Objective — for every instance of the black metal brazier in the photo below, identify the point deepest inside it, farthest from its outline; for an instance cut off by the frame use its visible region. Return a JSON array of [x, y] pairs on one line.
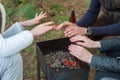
[[46, 48]]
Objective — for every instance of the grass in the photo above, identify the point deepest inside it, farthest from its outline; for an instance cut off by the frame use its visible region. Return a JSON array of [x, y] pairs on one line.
[[19, 10], [88, 3]]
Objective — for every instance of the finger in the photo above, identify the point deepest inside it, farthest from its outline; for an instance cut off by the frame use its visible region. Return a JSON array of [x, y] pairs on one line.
[[45, 14], [78, 50], [50, 27], [65, 24], [74, 53], [36, 15], [70, 34], [41, 13], [66, 28], [69, 29], [54, 26], [48, 23], [78, 38], [72, 47], [46, 29], [75, 38], [81, 44], [75, 47]]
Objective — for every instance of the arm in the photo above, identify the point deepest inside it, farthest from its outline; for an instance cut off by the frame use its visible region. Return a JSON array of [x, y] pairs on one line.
[[15, 44], [91, 14], [12, 45], [14, 29], [106, 63], [110, 30], [34, 21], [107, 44], [18, 27], [73, 30], [98, 62]]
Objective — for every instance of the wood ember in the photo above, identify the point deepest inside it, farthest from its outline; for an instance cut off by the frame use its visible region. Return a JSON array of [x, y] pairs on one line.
[[61, 61]]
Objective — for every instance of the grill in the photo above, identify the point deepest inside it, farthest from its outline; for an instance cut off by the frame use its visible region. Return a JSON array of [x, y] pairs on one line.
[[56, 63]]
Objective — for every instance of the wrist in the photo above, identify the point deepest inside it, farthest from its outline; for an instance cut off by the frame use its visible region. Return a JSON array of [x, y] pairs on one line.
[[97, 44], [33, 33], [90, 59], [37, 20]]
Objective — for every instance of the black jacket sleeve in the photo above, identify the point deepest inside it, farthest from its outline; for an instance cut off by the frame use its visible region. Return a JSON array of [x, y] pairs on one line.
[[106, 63], [107, 44]]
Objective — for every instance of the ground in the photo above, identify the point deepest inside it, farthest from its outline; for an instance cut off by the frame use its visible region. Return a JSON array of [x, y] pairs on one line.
[[58, 11]]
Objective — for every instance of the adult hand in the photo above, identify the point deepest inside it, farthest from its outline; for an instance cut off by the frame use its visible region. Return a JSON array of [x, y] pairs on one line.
[[85, 41], [80, 53], [71, 29], [42, 28]]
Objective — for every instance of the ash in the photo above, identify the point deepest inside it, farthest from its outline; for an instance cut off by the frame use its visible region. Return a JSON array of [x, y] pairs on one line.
[[61, 61]]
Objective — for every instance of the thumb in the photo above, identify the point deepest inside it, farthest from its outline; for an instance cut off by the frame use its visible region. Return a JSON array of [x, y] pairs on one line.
[[65, 24], [81, 44], [48, 23]]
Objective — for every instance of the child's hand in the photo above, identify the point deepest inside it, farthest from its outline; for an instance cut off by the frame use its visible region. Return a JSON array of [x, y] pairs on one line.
[[34, 21], [40, 16]]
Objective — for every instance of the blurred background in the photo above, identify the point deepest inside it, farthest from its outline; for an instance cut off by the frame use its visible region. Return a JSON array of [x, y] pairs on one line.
[[57, 10]]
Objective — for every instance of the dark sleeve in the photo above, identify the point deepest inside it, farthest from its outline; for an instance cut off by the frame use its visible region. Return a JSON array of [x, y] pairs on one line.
[[106, 63], [110, 30], [107, 44], [89, 18]]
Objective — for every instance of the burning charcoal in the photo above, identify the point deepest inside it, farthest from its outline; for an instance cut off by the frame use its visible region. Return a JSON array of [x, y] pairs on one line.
[[60, 61]]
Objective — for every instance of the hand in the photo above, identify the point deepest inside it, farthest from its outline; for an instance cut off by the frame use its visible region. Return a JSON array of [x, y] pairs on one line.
[[40, 16], [74, 30], [64, 24], [80, 53], [85, 41], [71, 29], [42, 28], [34, 21]]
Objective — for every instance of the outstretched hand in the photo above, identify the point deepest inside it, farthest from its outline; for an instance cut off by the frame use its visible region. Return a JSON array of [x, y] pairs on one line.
[[34, 21], [85, 41], [71, 29], [40, 16], [42, 28], [64, 25]]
